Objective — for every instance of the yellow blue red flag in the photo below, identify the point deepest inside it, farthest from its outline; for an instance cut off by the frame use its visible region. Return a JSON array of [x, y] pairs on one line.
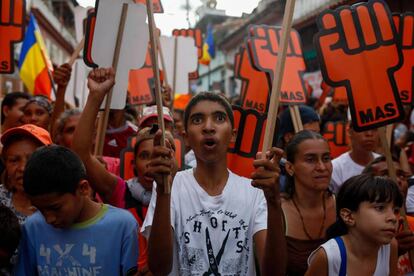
[[209, 50], [34, 63]]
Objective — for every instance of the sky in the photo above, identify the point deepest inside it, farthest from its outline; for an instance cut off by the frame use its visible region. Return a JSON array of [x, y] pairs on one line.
[[175, 17]]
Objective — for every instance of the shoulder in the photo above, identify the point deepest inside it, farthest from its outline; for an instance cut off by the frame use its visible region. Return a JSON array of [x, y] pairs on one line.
[[185, 174], [318, 263], [325, 260], [243, 184], [239, 179], [5, 195], [343, 158], [118, 215], [35, 221], [183, 179]]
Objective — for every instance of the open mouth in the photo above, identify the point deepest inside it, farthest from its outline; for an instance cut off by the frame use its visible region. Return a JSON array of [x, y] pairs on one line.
[[210, 144]]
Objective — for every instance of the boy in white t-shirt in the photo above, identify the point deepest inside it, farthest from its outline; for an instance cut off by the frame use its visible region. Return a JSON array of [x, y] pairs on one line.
[[353, 162], [214, 222]]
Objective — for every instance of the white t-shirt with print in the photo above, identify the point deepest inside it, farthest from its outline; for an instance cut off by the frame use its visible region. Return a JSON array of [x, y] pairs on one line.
[[213, 234], [343, 169]]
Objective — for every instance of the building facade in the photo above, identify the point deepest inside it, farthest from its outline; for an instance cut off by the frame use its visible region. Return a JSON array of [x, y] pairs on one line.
[[56, 22]]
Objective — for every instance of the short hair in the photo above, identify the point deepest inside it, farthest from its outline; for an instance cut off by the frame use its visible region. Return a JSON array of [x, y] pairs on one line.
[[211, 97], [369, 170], [10, 100], [148, 133], [10, 231], [64, 117], [53, 169]]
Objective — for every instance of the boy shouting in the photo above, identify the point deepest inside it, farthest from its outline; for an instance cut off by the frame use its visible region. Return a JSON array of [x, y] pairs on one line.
[[214, 221]]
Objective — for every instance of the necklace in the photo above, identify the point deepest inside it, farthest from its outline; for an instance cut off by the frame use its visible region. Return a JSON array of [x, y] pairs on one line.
[[303, 223]]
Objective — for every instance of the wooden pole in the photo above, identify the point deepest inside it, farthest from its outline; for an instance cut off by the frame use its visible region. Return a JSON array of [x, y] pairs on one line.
[[278, 77], [298, 118], [105, 115], [76, 52], [393, 175], [155, 68], [175, 66], [387, 153]]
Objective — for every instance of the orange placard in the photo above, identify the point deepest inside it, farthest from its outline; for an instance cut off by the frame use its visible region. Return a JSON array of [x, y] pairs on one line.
[[12, 24], [140, 83], [128, 160], [181, 101], [264, 47], [237, 57], [336, 135], [90, 29], [257, 90], [156, 4], [358, 49], [198, 39], [339, 95], [250, 131], [404, 24]]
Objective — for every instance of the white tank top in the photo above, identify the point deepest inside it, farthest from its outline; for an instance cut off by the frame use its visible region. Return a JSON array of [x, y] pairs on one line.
[[334, 258]]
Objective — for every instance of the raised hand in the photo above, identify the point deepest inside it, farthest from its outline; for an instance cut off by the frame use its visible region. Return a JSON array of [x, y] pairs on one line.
[[61, 75], [358, 49], [404, 24], [264, 47], [12, 15], [266, 175], [100, 81], [162, 162]]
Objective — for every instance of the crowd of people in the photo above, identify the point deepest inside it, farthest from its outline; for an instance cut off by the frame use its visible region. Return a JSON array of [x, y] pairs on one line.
[[66, 211]]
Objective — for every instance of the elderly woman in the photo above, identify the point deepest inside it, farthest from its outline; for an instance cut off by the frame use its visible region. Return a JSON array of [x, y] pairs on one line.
[[18, 145], [308, 206]]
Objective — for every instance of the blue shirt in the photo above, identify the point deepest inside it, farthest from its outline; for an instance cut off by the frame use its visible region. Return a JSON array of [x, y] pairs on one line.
[[104, 245]]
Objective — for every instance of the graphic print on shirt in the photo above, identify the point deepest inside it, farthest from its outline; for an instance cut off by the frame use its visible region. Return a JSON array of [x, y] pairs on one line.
[[59, 260], [214, 243]]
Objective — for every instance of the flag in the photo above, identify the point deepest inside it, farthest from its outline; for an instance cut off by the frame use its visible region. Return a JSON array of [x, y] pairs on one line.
[[34, 63], [209, 50]]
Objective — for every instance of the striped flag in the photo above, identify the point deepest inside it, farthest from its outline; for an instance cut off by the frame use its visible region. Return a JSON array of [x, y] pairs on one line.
[[34, 63], [209, 50]]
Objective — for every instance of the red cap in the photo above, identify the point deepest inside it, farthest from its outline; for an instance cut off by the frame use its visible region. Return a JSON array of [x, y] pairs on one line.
[[38, 133], [151, 111]]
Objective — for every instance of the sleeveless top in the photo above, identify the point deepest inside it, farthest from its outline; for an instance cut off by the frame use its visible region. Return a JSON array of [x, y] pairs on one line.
[[333, 254], [298, 252]]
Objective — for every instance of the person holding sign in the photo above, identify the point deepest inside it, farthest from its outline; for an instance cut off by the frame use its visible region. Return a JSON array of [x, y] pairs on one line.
[[133, 195], [362, 238], [208, 224], [308, 206]]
